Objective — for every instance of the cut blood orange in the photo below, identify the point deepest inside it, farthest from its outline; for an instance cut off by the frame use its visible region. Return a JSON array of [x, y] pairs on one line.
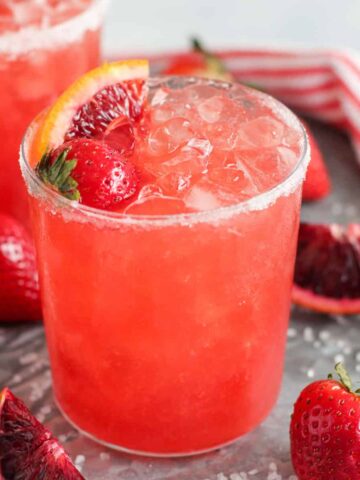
[[95, 104], [27, 449], [327, 270]]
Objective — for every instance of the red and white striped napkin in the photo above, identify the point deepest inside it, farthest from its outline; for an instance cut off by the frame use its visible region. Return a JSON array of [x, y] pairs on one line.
[[323, 84]]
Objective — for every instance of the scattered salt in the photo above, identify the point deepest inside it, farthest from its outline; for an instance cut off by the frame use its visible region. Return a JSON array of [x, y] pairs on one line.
[[310, 373], [104, 456], [324, 335], [28, 358], [339, 358], [309, 334], [292, 332]]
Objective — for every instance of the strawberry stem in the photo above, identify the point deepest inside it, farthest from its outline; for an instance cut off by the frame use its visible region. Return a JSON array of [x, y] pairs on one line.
[[57, 173], [344, 377], [213, 62]]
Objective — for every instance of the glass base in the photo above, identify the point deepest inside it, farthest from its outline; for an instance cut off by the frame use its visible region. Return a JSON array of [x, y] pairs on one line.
[[131, 451]]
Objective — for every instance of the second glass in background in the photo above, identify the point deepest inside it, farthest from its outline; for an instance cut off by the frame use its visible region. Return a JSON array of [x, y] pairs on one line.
[[44, 47]]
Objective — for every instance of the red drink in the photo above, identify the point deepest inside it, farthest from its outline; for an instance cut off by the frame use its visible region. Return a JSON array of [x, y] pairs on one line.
[[166, 325], [44, 46]]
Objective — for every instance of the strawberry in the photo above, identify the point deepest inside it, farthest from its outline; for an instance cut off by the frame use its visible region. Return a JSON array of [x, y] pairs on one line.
[[201, 63], [324, 430], [19, 288], [317, 182], [90, 171], [28, 451]]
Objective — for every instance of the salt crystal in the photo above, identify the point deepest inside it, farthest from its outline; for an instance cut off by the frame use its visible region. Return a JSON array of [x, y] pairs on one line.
[[221, 476], [339, 358], [324, 335], [28, 358], [16, 378], [310, 373], [272, 467], [347, 350], [239, 476], [292, 332], [79, 462], [104, 456], [309, 334], [253, 472]]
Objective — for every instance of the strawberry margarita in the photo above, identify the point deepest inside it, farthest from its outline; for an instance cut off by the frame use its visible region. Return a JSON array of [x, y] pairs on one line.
[[166, 293], [44, 46]]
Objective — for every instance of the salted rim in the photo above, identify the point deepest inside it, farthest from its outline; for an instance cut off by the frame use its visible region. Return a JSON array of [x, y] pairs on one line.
[[27, 39], [73, 210]]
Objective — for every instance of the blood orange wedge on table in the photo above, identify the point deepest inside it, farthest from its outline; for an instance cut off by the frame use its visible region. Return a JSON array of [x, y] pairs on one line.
[[327, 270], [107, 99], [27, 449]]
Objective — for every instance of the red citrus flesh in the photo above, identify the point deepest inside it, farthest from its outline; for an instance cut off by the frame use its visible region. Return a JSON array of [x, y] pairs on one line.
[[123, 100], [327, 270], [28, 451]]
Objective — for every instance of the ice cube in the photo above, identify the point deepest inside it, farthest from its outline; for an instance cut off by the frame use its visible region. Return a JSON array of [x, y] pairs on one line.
[[200, 198], [174, 183], [211, 108], [170, 136], [268, 167], [149, 190], [156, 205], [234, 180], [261, 132], [202, 146], [159, 97]]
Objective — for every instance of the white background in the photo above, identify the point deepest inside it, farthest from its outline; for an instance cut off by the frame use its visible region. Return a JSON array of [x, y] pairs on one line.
[[153, 25]]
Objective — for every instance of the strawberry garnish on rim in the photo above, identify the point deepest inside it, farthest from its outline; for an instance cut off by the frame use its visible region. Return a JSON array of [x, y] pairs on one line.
[[89, 171], [87, 137]]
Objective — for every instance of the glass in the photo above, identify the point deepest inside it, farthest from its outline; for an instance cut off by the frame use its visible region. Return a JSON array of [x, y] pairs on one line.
[[37, 62], [167, 333]]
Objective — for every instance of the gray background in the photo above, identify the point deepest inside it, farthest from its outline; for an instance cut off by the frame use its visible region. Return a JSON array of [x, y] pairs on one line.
[[151, 25]]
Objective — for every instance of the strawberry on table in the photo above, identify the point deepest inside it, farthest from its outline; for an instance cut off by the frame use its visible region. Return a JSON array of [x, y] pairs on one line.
[[202, 63], [19, 288], [324, 430], [317, 183], [28, 451]]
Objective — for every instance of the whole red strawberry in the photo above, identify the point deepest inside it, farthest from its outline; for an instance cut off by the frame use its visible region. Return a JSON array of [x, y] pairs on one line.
[[90, 171], [19, 287], [28, 451], [201, 63], [317, 182], [324, 430]]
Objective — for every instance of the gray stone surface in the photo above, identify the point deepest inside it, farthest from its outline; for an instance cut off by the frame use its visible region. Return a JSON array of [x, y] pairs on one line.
[[314, 343]]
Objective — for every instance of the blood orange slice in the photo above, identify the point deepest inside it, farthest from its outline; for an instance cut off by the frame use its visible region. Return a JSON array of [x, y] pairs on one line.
[[102, 99], [27, 448], [327, 270]]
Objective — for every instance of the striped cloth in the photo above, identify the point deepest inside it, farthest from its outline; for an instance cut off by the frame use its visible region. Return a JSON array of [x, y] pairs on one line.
[[323, 84]]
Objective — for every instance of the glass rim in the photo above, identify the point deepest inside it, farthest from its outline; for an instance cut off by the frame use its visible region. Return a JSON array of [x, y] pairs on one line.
[[258, 202], [30, 37]]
